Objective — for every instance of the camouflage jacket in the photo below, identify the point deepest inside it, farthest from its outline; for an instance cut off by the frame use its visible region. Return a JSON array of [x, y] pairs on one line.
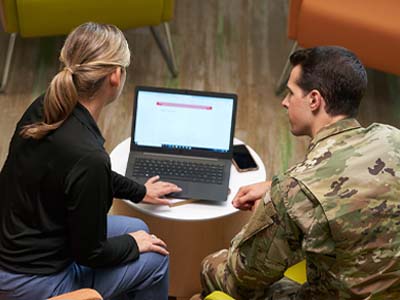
[[339, 209]]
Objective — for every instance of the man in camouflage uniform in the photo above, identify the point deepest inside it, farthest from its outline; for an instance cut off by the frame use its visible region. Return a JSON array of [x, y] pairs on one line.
[[339, 208]]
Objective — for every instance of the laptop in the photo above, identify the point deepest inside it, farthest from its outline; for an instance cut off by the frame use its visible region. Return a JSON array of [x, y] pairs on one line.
[[186, 138]]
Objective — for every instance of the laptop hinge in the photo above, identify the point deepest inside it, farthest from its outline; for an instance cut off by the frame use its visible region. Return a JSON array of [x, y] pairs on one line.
[[179, 156]]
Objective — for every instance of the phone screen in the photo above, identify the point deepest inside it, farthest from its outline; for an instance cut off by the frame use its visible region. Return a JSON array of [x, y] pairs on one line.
[[243, 159]]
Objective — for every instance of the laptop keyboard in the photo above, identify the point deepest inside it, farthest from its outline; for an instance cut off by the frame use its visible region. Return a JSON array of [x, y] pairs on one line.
[[180, 170]]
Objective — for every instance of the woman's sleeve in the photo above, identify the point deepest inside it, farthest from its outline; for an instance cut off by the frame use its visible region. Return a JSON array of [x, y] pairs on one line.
[[125, 188], [88, 189]]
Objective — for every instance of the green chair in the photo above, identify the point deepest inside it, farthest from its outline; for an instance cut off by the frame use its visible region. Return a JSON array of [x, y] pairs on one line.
[[296, 273], [41, 18]]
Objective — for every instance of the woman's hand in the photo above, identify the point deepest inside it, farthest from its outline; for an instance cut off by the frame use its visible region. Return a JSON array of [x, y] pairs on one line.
[[149, 242], [156, 190], [248, 196]]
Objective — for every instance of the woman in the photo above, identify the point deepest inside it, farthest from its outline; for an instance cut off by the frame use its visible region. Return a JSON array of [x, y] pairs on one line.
[[57, 186]]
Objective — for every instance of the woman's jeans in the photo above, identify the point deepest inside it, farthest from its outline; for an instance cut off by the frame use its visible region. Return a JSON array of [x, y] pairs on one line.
[[144, 278]]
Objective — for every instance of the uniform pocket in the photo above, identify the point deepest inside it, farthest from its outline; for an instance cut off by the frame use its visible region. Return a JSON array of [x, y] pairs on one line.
[[264, 217]]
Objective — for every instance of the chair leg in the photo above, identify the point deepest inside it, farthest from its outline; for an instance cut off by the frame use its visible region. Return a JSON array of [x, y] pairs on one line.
[[6, 70], [281, 84], [169, 55], [171, 47]]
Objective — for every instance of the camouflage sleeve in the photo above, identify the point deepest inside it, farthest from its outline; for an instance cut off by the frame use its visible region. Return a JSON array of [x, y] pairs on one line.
[[270, 242]]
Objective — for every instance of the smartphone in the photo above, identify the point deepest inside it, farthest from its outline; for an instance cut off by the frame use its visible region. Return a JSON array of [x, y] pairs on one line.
[[242, 159]]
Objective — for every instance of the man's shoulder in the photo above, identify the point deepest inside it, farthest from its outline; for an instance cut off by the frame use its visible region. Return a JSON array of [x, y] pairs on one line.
[[332, 153], [376, 133], [382, 126], [384, 131]]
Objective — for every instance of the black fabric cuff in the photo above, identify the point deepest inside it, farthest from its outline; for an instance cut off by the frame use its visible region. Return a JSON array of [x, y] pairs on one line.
[[141, 192]]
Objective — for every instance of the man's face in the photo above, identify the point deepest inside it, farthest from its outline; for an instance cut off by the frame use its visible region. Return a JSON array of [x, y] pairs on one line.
[[297, 104]]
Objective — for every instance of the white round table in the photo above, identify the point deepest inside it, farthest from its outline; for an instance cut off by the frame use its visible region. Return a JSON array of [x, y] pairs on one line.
[[191, 230], [199, 210]]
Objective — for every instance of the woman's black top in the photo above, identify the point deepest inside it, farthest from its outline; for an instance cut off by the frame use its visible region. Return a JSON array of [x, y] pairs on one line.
[[54, 197]]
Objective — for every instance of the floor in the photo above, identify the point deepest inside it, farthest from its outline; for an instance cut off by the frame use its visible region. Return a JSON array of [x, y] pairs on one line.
[[237, 46]]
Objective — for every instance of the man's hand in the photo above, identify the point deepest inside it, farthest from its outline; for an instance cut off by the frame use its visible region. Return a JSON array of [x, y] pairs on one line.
[[156, 190], [248, 196], [149, 242]]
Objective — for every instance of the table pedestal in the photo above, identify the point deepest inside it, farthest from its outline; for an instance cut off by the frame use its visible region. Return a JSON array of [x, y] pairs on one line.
[[188, 243]]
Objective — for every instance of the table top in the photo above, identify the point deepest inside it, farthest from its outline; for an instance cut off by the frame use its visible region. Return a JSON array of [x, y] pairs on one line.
[[186, 210]]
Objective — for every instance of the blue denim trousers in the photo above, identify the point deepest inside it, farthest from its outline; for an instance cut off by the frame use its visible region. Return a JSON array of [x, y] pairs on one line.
[[144, 278]]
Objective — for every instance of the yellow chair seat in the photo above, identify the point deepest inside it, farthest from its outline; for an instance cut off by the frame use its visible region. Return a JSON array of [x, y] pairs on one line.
[[218, 295], [296, 273]]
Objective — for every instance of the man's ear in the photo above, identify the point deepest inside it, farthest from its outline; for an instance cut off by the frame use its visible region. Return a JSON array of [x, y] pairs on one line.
[[316, 100], [115, 77]]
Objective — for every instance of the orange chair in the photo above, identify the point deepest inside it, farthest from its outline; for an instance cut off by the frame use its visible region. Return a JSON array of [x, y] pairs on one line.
[[369, 28], [82, 294]]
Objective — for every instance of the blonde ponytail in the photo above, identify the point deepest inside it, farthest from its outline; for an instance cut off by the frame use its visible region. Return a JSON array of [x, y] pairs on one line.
[[90, 53], [59, 101]]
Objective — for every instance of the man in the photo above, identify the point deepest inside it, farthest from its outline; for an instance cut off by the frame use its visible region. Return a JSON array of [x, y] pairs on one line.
[[339, 208]]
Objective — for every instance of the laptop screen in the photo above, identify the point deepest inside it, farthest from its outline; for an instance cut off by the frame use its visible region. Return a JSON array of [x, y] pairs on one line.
[[187, 121]]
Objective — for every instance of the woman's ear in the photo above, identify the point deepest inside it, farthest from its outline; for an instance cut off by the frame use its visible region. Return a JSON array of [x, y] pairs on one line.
[[115, 77]]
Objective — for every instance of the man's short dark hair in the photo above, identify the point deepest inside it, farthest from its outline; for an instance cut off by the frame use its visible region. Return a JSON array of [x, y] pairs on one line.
[[336, 73]]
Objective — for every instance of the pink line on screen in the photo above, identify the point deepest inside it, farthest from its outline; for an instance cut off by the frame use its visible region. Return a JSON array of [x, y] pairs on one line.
[[181, 105]]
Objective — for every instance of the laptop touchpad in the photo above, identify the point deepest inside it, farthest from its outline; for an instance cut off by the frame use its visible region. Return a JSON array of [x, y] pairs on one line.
[[184, 186]]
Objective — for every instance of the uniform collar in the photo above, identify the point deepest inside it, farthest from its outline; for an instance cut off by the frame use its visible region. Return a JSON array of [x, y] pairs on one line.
[[84, 116], [333, 129]]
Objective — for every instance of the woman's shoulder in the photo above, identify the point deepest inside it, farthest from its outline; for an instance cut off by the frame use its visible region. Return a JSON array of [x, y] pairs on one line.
[[33, 114]]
